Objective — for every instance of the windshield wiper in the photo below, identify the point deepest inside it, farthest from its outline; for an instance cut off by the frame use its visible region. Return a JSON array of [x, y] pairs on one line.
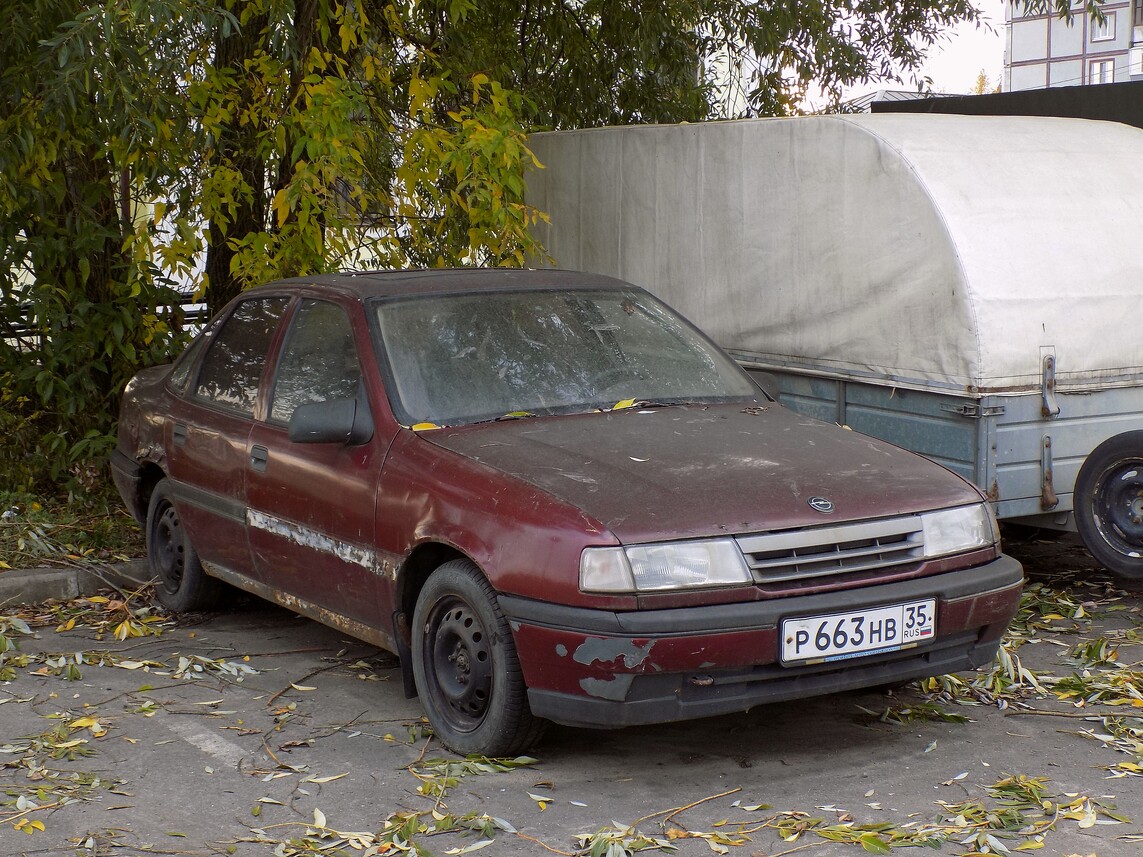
[[512, 415], [640, 404]]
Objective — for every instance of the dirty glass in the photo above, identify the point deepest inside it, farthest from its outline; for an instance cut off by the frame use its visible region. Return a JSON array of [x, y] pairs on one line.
[[180, 374], [233, 363], [462, 358], [319, 361]]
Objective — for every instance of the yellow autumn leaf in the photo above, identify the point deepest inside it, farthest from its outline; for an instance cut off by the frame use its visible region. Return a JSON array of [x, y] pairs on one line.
[[425, 427], [281, 205], [541, 800], [323, 780], [29, 826]]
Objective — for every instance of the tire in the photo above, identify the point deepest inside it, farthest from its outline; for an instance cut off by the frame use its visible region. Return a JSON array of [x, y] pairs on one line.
[[465, 666], [180, 582], [1108, 504]]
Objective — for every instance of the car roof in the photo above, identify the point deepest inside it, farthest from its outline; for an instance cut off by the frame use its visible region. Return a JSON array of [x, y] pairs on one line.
[[369, 284]]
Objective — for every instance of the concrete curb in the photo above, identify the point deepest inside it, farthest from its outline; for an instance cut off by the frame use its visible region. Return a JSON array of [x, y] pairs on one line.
[[36, 585]]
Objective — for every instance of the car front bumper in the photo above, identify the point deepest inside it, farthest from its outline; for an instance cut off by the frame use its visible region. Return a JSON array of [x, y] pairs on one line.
[[596, 668]]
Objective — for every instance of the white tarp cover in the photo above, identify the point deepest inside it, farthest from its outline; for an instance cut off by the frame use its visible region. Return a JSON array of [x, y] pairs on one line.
[[947, 251]]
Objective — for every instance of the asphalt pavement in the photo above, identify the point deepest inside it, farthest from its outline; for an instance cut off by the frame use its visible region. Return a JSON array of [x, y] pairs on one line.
[[255, 732]]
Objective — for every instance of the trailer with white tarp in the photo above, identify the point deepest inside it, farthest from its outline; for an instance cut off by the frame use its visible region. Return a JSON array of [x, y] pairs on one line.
[[967, 287]]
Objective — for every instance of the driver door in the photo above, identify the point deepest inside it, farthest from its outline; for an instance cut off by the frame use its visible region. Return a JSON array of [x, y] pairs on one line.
[[311, 505]]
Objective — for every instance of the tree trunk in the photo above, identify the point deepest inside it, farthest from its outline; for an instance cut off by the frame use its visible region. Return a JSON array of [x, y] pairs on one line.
[[237, 146]]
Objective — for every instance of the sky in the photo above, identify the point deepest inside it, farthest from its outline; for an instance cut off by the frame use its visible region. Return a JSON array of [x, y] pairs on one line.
[[955, 63]]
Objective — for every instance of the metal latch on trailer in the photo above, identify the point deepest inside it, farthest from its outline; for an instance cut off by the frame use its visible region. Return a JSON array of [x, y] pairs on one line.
[[1049, 407], [1048, 497], [974, 411]]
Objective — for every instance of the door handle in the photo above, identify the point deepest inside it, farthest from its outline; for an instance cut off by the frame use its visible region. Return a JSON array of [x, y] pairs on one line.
[[179, 434], [259, 458]]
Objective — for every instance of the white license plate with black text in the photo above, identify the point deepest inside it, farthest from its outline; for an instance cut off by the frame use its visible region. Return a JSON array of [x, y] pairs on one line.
[[861, 632]]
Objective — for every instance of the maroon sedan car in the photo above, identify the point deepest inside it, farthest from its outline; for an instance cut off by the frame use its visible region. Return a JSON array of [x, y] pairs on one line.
[[553, 498]]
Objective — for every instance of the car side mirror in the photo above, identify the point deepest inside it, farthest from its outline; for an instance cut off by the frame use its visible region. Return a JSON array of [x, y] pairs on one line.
[[335, 421]]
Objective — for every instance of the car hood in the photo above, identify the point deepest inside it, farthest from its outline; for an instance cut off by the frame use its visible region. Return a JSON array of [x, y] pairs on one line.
[[690, 471]]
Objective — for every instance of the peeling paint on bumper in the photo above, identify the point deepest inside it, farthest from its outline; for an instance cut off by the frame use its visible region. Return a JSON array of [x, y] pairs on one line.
[[598, 676]]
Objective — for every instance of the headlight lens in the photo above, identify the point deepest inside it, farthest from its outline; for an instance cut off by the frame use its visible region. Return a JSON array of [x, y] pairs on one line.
[[654, 568], [958, 530]]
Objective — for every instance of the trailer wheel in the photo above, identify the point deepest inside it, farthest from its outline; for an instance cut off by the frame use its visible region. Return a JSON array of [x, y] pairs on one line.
[[1108, 505]]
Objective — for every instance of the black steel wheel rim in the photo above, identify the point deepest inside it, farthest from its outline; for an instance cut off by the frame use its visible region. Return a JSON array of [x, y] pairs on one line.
[[1118, 507], [168, 549], [459, 658]]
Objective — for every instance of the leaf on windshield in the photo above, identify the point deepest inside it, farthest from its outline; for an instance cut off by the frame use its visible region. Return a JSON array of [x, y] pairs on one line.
[[424, 427]]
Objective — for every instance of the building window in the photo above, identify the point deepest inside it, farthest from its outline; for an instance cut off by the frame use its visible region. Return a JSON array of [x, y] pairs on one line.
[[1105, 31], [1101, 71]]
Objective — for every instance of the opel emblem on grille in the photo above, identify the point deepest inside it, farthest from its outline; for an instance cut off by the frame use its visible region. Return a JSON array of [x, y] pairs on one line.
[[821, 504]]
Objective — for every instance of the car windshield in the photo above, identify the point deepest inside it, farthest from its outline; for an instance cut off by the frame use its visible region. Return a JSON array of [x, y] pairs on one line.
[[463, 358]]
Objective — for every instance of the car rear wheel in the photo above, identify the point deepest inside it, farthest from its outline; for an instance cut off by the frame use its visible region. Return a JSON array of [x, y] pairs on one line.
[[467, 673], [1108, 504], [180, 582]]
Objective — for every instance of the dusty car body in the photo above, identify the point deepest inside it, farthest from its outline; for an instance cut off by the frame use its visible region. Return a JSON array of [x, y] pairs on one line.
[[553, 498]]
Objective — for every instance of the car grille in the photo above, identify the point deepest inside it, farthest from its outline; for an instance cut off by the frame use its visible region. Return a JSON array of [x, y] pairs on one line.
[[826, 551]]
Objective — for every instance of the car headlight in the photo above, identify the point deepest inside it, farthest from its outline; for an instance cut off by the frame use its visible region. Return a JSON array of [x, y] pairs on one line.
[[673, 565], [958, 530]]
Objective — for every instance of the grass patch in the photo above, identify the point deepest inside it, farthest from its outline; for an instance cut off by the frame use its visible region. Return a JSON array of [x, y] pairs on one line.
[[36, 531]]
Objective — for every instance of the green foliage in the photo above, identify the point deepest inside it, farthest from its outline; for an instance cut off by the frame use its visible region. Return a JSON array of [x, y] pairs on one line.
[[917, 712], [460, 186], [437, 776], [50, 531], [84, 134], [620, 840]]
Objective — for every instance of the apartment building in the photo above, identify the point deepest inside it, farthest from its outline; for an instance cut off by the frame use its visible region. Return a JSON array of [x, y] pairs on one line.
[[1042, 51]]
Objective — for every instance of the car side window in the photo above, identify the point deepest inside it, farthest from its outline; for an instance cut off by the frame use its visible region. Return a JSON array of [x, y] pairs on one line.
[[319, 360], [185, 362], [233, 363]]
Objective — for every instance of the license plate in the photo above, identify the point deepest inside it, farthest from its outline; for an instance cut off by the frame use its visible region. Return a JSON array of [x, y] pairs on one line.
[[837, 636]]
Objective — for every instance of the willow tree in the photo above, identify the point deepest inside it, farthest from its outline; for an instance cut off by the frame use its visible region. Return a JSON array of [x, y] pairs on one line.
[[84, 298]]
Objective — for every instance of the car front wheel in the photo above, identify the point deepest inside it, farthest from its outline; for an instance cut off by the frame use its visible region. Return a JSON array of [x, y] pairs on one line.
[[180, 582], [467, 672]]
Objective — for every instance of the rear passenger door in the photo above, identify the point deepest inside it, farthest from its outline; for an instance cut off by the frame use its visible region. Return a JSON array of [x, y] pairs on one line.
[[208, 428]]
